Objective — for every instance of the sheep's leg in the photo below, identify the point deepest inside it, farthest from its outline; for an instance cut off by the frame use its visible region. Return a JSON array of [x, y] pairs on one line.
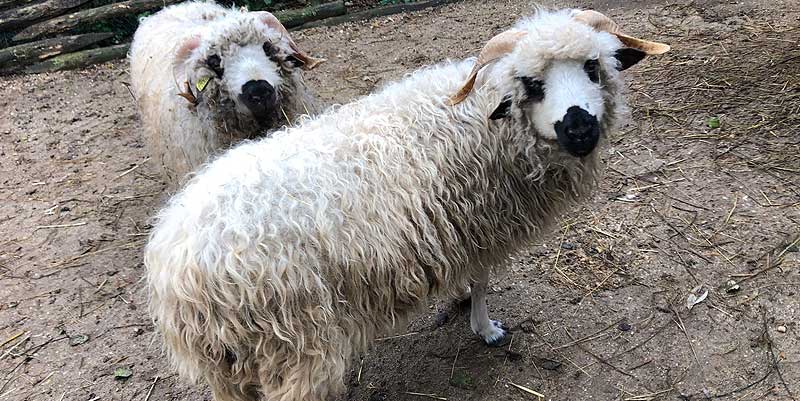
[[224, 389], [491, 331], [307, 378]]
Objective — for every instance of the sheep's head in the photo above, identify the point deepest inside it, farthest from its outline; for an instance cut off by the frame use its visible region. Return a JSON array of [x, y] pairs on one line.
[[241, 68], [556, 74]]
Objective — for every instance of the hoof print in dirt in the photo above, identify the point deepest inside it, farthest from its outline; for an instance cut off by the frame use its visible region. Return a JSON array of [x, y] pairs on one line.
[[549, 364], [462, 380]]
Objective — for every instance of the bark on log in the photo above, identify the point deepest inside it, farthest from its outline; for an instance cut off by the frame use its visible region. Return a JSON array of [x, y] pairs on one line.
[[80, 59], [300, 16], [18, 17], [376, 12], [6, 4], [29, 53], [69, 21]]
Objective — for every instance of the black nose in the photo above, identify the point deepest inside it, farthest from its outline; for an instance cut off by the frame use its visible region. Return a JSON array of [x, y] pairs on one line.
[[578, 132], [259, 96]]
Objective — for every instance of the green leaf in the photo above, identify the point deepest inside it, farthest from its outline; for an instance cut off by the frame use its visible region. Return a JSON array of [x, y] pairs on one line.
[[122, 373], [713, 122]]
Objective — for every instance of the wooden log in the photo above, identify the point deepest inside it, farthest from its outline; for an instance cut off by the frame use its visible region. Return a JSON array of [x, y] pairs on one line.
[[69, 21], [376, 12], [29, 53], [6, 4], [80, 59], [300, 16], [18, 17]]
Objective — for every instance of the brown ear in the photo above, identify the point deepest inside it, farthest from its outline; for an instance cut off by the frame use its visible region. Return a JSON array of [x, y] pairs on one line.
[[307, 62], [601, 22], [182, 53], [497, 47]]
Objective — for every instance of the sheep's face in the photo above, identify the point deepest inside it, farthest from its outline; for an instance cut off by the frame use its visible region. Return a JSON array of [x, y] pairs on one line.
[[556, 83], [241, 70], [566, 101], [556, 78], [244, 78]]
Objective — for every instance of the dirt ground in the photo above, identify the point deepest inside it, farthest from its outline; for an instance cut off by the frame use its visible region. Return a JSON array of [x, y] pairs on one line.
[[598, 307]]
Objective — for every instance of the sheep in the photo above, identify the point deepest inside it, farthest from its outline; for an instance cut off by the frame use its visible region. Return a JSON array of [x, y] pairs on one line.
[[283, 258], [238, 70]]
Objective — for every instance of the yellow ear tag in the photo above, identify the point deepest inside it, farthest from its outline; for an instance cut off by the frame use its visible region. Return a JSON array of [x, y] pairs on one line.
[[201, 84]]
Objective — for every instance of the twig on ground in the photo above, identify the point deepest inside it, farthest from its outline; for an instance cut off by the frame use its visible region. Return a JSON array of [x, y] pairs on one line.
[[590, 336], [775, 362], [597, 357]]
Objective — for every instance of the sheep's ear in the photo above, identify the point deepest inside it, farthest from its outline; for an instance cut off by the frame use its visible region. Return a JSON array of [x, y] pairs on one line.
[[503, 110], [182, 53], [628, 57]]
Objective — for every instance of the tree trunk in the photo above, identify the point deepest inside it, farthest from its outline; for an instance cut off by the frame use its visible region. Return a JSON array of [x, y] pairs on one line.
[[69, 21], [29, 53], [80, 59], [297, 17], [18, 17], [376, 12]]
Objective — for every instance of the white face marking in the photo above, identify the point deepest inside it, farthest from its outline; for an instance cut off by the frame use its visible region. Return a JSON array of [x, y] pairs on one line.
[[566, 84], [250, 63]]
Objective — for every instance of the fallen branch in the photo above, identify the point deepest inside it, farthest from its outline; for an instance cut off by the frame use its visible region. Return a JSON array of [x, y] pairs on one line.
[[22, 16], [376, 12], [80, 59], [297, 17], [6, 4], [69, 21], [29, 53]]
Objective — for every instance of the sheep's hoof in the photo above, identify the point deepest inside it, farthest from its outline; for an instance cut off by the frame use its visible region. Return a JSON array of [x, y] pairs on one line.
[[495, 335]]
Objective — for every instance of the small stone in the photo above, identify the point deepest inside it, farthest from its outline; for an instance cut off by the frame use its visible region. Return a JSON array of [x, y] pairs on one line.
[[441, 318], [781, 329]]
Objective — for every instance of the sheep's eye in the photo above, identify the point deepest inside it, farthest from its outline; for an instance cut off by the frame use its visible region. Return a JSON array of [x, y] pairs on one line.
[[294, 61], [592, 68], [534, 88], [215, 64], [271, 51]]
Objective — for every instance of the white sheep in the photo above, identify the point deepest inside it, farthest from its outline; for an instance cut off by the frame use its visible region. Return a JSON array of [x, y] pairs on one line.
[[285, 257], [238, 70]]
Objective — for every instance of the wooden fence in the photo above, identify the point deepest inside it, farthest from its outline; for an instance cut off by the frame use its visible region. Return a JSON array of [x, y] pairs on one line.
[[50, 35]]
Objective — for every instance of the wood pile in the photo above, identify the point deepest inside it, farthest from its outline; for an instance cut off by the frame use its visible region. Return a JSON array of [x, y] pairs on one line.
[[51, 35]]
